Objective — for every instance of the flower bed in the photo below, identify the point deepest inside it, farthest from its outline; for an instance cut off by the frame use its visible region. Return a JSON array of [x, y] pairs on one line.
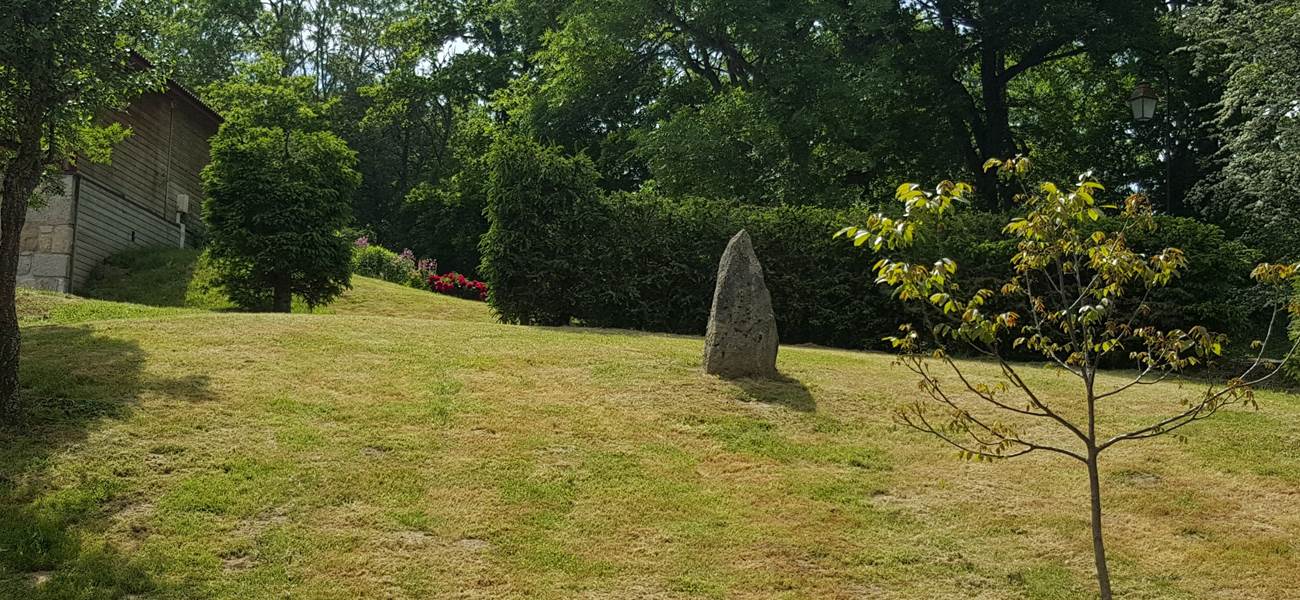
[[376, 261], [455, 284]]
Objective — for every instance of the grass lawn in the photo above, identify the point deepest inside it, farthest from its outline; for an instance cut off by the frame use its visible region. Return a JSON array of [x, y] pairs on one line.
[[404, 446]]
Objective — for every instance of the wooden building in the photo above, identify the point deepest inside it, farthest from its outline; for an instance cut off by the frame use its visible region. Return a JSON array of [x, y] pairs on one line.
[[148, 195]]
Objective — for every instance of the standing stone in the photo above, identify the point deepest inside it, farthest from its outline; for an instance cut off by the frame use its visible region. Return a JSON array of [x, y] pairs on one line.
[[742, 339]]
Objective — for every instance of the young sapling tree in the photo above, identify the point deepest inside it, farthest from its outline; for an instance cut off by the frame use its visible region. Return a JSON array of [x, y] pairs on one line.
[[1077, 297]]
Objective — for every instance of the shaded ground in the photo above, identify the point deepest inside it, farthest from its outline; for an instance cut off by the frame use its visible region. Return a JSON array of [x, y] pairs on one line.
[[350, 455]]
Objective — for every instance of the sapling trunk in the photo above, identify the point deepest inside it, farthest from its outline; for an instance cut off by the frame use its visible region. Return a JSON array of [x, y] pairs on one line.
[[1098, 545]]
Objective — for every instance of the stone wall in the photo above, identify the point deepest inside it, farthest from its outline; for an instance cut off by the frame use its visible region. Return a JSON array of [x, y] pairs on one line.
[[45, 247]]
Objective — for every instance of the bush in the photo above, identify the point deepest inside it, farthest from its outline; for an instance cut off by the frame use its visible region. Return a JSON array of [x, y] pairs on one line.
[[535, 249], [558, 251], [455, 284], [381, 263], [376, 261]]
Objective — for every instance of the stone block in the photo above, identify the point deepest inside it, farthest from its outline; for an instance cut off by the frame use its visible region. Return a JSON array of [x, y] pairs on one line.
[[53, 284], [57, 209], [24, 264], [61, 239], [50, 265], [28, 240]]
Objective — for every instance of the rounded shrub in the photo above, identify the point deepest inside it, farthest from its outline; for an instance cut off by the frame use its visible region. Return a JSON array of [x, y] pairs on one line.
[[378, 262]]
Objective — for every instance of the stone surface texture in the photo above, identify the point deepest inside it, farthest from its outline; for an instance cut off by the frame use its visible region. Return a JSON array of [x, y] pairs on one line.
[[45, 246], [742, 338]]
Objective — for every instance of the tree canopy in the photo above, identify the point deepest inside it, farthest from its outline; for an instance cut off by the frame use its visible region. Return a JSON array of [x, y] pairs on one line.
[[278, 194], [818, 103]]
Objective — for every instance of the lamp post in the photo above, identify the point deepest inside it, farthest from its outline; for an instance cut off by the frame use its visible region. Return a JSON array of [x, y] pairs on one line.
[[1143, 103]]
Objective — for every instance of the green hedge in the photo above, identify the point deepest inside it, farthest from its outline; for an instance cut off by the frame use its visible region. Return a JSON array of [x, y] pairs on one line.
[[1215, 290], [381, 263], [559, 251], [537, 252]]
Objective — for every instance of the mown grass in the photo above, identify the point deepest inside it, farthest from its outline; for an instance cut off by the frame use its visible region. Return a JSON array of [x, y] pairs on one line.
[[227, 455], [47, 308]]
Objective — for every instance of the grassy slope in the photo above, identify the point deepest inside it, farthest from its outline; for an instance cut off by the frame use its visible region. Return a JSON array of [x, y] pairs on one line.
[[346, 455], [46, 308], [159, 282]]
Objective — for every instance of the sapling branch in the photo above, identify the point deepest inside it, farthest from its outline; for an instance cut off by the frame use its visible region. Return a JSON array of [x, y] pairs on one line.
[[989, 396], [1237, 391]]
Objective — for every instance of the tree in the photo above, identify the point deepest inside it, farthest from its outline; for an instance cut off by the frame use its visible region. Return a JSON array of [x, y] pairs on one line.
[[278, 193], [980, 47], [1070, 302], [1251, 48], [822, 102], [62, 62]]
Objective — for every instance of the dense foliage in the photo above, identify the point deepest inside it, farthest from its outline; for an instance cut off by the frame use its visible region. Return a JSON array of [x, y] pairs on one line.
[[278, 195], [1252, 47], [559, 251], [773, 104]]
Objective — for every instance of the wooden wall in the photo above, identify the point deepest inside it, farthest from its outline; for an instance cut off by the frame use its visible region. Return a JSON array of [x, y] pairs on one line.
[[132, 200], [167, 149]]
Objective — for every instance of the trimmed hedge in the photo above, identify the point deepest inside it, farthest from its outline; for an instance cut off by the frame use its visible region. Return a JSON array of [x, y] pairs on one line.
[[1215, 290], [381, 263], [536, 252], [559, 251]]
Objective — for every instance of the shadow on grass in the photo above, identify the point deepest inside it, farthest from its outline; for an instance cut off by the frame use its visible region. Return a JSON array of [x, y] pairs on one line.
[[74, 379], [780, 391], [164, 277]]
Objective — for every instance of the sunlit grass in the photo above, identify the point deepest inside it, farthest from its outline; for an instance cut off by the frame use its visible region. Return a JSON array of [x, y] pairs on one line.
[[405, 447], [368, 297]]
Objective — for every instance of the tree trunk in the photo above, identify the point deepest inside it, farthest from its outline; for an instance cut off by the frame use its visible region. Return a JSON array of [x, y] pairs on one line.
[[10, 337], [20, 178], [1098, 547], [996, 140], [283, 301]]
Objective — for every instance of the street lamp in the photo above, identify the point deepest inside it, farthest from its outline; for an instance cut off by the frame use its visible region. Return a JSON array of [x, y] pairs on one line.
[[1143, 102]]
